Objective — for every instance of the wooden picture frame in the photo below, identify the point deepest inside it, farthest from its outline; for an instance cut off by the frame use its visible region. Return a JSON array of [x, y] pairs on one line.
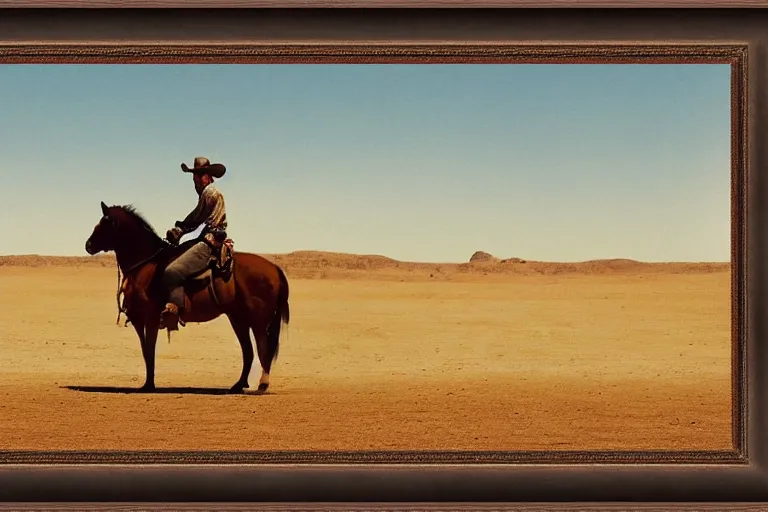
[[738, 37]]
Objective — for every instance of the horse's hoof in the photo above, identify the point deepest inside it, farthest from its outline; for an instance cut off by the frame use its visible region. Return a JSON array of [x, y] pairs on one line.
[[147, 388], [263, 388], [237, 389]]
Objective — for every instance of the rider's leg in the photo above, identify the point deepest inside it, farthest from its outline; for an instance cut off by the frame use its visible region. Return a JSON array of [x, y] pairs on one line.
[[194, 260]]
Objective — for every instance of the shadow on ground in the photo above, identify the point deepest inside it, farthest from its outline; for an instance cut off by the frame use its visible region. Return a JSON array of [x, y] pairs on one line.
[[158, 391]]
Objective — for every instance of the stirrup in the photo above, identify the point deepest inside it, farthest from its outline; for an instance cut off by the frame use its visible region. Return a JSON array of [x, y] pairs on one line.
[[169, 319]]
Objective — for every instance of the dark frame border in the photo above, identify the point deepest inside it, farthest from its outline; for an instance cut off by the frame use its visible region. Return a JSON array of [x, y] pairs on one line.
[[389, 4], [733, 54], [457, 475]]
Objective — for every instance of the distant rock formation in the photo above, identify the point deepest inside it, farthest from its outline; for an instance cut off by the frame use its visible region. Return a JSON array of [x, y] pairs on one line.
[[482, 256], [325, 265]]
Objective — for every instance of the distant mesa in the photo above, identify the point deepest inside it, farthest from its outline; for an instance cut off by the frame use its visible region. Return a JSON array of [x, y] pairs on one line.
[[484, 257], [329, 265]]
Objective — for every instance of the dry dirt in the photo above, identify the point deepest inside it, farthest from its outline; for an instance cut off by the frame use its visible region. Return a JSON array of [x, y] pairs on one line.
[[497, 354]]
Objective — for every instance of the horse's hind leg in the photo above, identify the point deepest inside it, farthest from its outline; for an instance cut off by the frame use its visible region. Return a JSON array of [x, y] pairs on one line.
[[261, 347], [243, 334], [266, 363]]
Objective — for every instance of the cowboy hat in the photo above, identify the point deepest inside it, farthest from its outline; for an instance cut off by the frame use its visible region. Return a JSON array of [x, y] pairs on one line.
[[203, 166]]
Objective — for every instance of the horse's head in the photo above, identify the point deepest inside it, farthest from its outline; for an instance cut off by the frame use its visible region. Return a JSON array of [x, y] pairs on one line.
[[122, 226], [104, 236]]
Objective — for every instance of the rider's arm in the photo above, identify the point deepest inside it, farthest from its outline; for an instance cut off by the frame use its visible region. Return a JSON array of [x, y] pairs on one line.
[[198, 215]]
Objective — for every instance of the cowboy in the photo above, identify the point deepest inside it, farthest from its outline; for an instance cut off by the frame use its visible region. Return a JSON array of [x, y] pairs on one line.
[[211, 212]]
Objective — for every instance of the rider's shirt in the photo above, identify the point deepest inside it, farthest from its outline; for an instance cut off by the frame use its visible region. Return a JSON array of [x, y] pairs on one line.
[[210, 210]]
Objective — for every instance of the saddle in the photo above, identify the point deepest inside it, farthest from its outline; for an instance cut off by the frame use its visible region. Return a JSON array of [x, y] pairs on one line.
[[220, 267], [221, 263]]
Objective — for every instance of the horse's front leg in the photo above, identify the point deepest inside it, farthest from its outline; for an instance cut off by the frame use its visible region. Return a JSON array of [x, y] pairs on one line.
[[147, 331], [149, 382]]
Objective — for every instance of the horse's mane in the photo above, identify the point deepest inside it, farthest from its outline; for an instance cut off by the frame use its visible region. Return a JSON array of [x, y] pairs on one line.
[[131, 211]]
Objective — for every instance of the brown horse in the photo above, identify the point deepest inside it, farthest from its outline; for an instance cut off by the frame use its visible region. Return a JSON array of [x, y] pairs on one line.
[[254, 296]]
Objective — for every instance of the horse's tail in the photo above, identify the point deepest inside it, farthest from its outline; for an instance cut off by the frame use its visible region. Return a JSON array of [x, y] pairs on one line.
[[282, 316]]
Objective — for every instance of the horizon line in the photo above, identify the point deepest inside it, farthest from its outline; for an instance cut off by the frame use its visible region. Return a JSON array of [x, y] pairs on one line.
[[494, 259]]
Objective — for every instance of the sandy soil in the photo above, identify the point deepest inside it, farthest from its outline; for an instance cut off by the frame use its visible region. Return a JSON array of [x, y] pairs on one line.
[[499, 355]]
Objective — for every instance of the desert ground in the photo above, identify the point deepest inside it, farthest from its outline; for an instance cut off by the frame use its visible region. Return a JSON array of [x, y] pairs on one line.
[[382, 355]]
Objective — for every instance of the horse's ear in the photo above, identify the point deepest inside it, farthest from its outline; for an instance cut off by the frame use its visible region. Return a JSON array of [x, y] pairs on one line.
[[104, 209]]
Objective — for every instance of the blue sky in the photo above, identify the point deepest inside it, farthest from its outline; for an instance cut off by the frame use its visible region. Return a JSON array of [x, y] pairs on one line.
[[415, 162]]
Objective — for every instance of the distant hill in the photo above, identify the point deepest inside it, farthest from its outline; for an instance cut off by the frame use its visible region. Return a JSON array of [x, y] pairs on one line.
[[318, 264]]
